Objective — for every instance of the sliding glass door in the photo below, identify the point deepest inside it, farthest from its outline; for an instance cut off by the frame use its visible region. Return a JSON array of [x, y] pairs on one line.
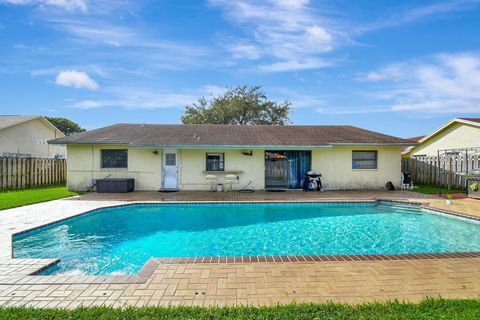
[[286, 169]]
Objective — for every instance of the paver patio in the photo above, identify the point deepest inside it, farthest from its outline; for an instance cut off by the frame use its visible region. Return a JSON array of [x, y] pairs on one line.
[[232, 282]]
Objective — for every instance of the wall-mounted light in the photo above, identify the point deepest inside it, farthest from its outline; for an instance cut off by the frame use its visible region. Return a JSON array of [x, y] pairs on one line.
[[155, 152], [247, 153]]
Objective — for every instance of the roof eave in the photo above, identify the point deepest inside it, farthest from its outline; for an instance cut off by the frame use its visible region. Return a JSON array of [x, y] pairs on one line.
[[52, 126], [220, 146], [57, 141], [438, 130], [17, 123], [393, 144], [240, 146], [449, 123]]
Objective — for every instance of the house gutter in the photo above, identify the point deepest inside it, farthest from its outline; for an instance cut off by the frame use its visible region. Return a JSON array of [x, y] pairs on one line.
[[196, 146], [212, 146], [55, 141], [374, 144], [192, 146]]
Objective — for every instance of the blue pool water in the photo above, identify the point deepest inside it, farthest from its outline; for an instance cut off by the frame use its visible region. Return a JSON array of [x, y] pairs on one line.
[[120, 240]]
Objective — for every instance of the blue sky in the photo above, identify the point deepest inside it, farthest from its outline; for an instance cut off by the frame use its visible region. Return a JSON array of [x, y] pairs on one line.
[[398, 67]]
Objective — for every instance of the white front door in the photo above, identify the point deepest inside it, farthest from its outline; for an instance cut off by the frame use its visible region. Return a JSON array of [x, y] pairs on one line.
[[170, 169]]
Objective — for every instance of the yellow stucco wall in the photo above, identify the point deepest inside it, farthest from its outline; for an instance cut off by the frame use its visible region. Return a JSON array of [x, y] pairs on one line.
[[30, 137], [335, 165], [83, 165], [192, 175], [457, 135]]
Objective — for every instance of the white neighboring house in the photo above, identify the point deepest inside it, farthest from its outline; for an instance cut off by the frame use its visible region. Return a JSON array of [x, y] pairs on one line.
[[27, 136], [458, 133]]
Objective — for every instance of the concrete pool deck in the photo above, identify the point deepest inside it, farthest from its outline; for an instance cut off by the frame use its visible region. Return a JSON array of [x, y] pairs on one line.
[[233, 282]]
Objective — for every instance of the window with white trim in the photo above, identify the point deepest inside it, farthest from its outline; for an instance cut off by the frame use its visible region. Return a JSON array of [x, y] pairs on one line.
[[215, 162], [170, 159], [364, 159], [114, 158]]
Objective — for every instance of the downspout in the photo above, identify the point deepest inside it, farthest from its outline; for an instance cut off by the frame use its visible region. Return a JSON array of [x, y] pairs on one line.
[[91, 171], [334, 180], [179, 168]]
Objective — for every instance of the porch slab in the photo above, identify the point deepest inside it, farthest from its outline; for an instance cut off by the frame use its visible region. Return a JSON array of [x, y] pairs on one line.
[[233, 283], [294, 195]]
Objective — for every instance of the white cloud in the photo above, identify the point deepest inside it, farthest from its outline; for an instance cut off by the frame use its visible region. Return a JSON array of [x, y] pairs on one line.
[[294, 65], [315, 33], [293, 3], [245, 51], [88, 68], [289, 33], [390, 72], [140, 98], [138, 44], [68, 5], [306, 101], [97, 32], [87, 104], [401, 17], [353, 110], [438, 8], [212, 90], [445, 83], [76, 79]]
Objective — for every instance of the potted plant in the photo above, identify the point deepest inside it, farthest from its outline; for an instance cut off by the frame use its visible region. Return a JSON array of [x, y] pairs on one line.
[[449, 198], [474, 187]]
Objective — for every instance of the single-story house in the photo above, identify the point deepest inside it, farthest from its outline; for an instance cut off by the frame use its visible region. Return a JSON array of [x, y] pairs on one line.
[[27, 136], [458, 133], [261, 156]]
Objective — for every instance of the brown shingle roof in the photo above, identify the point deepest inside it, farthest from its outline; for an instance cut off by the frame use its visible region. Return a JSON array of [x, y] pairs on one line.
[[158, 135], [472, 119], [415, 139]]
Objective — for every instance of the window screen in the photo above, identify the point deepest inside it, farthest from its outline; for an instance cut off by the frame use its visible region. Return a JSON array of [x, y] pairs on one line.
[[215, 162], [170, 159], [114, 158], [364, 159]]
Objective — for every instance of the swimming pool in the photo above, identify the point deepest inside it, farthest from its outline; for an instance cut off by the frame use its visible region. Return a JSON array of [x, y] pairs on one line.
[[120, 240]]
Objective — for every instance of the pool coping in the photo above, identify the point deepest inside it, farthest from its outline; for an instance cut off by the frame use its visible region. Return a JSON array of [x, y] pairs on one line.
[[317, 258], [149, 267]]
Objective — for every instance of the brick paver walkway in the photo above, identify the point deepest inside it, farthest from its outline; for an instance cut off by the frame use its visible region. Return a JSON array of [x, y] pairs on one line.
[[264, 283], [231, 283]]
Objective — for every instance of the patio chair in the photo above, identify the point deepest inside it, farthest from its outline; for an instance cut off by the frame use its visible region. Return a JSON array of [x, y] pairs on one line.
[[231, 179], [407, 182], [212, 180]]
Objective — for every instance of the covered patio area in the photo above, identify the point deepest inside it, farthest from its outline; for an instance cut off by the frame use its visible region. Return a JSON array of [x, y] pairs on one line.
[[282, 195]]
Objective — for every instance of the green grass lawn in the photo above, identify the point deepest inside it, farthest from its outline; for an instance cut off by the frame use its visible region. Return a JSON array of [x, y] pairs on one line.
[[22, 197], [431, 189], [427, 309]]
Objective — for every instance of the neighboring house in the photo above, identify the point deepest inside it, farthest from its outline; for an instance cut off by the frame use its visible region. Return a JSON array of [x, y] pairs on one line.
[[27, 136], [456, 134], [181, 156]]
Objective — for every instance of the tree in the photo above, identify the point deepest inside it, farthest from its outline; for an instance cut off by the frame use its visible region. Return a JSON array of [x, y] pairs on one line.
[[241, 105], [68, 127]]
